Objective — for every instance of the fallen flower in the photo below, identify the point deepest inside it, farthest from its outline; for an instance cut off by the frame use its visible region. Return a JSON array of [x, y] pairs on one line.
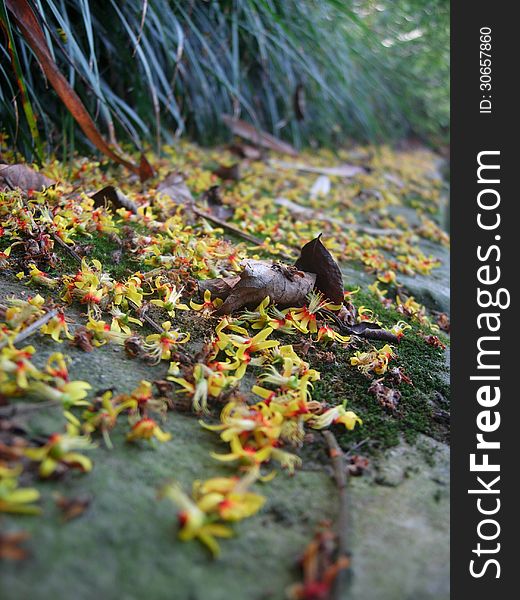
[[146, 429], [208, 306], [15, 499], [335, 415], [374, 360], [159, 345], [57, 327], [193, 522], [57, 453]]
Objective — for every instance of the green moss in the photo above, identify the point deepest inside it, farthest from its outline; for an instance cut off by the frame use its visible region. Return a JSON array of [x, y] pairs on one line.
[[103, 248], [424, 364]]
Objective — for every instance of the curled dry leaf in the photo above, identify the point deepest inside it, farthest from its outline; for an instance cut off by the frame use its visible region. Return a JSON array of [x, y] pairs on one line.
[[115, 197], [398, 376], [245, 151], [258, 137], [284, 285], [83, 339], [443, 321], [433, 340], [174, 188], [72, 508], [23, 177], [219, 287], [213, 198], [231, 173], [315, 258], [10, 548]]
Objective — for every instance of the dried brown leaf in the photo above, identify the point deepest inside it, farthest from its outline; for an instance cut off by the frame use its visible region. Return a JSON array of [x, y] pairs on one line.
[[23, 177], [315, 258], [219, 287], [284, 285], [387, 397], [246, 151], [115, 197], [231, 173], [258, 137], [74, 507], [83, 339], [176, 190], [10, 548]]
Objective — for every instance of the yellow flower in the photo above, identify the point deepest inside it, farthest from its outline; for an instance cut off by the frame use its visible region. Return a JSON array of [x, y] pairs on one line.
[[17, 370], [120, 321], [388, 277], [132, 290], [40, 277], [399, 328], [238, 418], [251, 454], [103, 417], [146, 429], [206, 383], [305, 318], [159, 345], [268, 316], [193, 522], [227, 497], [69, 393], [208, 305], [171, 298], [287, 460], [335, 415], [245, 346], [21, 311], [103, 333], [15, 499], [56, 453], [327, 334], [56, 327], [374, 360]]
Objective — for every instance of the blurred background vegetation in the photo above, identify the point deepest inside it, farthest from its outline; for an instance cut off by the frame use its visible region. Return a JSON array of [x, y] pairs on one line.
[[152, 70]]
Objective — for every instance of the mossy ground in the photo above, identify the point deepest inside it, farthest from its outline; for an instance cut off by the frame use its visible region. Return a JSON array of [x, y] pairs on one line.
[[124, 546]]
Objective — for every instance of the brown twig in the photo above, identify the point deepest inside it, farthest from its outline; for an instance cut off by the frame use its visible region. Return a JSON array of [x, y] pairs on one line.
[[11, 410], [225, 225], [343, 522], [30, 329], [66, 247], [142, 314]]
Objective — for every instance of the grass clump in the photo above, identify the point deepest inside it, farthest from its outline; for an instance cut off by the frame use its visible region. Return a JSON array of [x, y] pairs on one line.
[[150, 72]]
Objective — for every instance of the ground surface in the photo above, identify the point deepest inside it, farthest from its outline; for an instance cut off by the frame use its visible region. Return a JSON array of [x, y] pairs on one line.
[[124, 545]]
